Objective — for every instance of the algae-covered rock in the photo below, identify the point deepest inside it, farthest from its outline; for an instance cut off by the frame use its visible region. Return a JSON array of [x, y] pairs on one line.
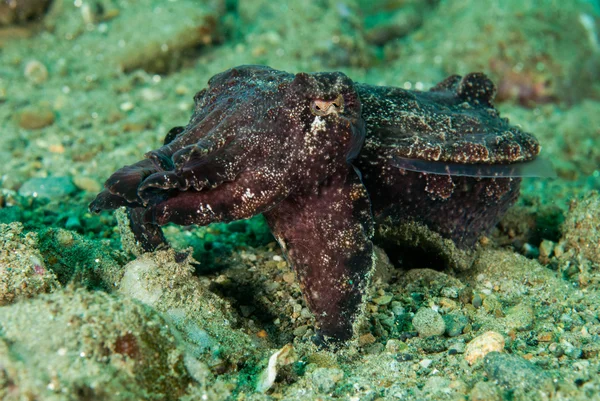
[[75, 258], [164, 280], [428, 323], [520, 317], [23, 274], [455, 323], [324, 380], [581, 229], [77, 345], [522, 379]]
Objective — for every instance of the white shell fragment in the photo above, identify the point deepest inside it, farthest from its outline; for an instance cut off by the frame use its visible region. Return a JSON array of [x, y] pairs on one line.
[[482, 345], [283, 357]]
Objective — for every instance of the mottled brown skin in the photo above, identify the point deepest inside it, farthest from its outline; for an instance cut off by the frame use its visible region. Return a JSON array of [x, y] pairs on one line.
[[291, 147], [454, 122]]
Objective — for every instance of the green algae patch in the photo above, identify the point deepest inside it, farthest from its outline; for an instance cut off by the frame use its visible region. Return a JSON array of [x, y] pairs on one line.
[[215, 244], [74, 258]]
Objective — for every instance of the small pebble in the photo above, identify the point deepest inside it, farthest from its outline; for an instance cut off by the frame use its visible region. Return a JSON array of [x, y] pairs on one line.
[[151, 95], [455, 324], [436, 387], [262, 334], [301, 330], [35, 72], [450, 292], [373, 349], [428, 323], [520, 317], [574, 352], [383, 300], [457, 348], [126, 106], [289, 277], [181, 90], [544, 337], [394, 346], [366, 339], [48, 187], [397, 308], [546, 249], [556, 350], [492, 304], [448, 304], [64, 238], [485, 391], [481, 345], [247, 310], [425, 363], [477, 301], [325, 379], [34, 118]]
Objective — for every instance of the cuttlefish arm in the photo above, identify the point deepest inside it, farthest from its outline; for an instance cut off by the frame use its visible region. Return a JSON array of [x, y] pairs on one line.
[[326, 237]]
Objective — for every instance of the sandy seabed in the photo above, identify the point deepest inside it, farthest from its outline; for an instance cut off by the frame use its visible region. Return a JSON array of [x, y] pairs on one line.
[[86, 88]]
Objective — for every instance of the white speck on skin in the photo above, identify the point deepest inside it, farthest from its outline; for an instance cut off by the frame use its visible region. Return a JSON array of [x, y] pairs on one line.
[[317, 125]]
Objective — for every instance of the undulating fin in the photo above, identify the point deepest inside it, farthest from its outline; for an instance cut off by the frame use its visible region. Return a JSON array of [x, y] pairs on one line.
[[538, 167]]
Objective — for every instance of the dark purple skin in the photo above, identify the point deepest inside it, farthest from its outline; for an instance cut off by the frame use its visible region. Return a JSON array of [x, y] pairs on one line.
[[318, 155]]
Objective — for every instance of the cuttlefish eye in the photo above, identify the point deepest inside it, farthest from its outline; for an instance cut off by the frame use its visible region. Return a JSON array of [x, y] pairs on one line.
[[325, 107]]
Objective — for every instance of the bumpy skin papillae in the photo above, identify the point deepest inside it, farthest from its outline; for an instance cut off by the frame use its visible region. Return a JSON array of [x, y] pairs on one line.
[[265, 141], [454, 122]]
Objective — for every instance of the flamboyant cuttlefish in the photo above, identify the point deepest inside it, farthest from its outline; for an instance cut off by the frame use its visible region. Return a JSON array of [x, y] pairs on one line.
[[325, 159]]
